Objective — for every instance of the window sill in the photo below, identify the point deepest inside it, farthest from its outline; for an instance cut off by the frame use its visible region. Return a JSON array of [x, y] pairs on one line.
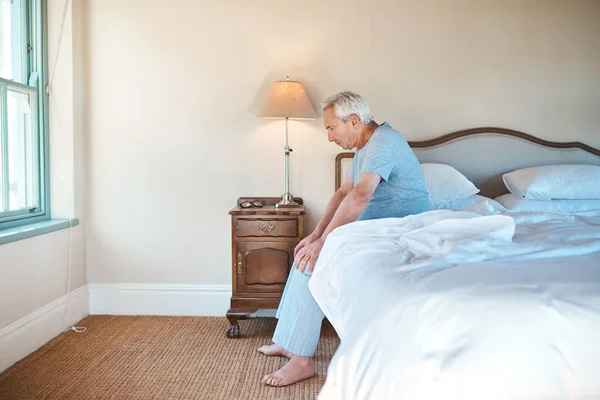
[[31, 230]]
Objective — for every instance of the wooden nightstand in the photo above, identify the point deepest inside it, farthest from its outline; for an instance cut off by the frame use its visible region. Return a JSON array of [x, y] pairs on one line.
[[262, 247]]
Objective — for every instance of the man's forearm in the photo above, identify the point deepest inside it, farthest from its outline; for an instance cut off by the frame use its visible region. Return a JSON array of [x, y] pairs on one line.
[[348, 211], [330, 210]]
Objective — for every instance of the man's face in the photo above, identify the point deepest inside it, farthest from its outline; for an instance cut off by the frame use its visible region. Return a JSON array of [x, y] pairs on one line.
[[338, 131]]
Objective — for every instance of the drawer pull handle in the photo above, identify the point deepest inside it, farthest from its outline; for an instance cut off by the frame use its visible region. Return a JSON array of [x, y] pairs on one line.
[[266, 227], [239, 264]]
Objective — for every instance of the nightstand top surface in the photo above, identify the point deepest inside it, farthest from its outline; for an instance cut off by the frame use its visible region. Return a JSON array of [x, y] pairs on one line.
[[268, 208]]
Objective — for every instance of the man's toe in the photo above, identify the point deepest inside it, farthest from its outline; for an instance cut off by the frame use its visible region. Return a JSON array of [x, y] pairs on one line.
[[271, 380]]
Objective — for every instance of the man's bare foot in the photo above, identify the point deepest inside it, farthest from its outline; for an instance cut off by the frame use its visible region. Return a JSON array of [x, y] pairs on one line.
[[275, 350], [296, 370]]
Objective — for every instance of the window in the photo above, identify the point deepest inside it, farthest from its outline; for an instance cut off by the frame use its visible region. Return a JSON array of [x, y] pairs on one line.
[[24, 194]]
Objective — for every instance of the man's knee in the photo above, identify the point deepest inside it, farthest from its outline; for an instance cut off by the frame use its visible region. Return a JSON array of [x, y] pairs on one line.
[[306, 272]]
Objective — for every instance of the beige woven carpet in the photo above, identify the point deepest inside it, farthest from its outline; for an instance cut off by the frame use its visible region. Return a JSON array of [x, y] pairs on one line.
[[159, 358]]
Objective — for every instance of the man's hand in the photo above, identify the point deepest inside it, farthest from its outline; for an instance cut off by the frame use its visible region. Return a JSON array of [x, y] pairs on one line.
[[308, 255], [305, 242]]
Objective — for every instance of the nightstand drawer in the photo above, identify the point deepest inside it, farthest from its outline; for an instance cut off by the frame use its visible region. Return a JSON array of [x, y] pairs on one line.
[[267, 227]]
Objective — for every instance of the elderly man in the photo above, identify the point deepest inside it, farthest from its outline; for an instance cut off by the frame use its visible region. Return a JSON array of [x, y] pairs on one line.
[[386, 181]]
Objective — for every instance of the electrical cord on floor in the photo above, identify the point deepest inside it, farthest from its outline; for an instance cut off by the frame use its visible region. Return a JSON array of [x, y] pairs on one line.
[[78, 329]]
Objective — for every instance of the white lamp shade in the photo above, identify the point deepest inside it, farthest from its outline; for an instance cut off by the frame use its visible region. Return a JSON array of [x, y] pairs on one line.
[[287, 99]]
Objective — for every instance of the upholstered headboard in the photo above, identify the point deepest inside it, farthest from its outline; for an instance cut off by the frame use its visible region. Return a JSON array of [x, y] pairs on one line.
[[484, 154]]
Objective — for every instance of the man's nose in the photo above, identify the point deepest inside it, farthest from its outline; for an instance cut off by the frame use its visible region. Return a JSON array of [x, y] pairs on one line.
[[329, 136]]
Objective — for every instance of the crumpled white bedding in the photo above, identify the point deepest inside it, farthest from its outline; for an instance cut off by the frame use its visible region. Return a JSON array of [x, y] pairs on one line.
[[455, 305]]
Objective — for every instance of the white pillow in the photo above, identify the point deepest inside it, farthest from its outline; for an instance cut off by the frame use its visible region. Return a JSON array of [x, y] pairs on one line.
[[512, 202], [444, 183], [475, 203], [550, 182]]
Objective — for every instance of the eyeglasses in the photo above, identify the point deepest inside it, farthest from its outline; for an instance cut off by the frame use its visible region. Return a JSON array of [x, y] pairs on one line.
[[250, 204]]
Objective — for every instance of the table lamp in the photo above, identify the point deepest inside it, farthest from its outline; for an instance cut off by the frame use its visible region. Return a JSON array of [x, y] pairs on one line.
[[287, 100]]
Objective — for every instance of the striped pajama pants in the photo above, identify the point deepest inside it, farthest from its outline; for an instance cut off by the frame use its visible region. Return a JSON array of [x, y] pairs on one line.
[[300, 318]]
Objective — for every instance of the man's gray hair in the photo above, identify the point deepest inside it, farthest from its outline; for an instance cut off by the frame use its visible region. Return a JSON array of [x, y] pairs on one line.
[[347, 103]]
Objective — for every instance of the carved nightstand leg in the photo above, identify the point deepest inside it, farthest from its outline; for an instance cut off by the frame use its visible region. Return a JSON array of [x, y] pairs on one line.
[[233, 332], [233, 315]]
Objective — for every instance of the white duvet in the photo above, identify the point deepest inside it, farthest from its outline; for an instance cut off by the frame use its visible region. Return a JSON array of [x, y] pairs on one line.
[[454, 305]]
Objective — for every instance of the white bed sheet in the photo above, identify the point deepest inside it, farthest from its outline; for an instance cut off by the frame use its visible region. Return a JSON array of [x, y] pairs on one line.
[[455, 305]]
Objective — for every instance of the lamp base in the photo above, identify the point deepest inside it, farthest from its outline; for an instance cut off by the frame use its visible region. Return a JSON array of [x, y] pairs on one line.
[[287, 201]]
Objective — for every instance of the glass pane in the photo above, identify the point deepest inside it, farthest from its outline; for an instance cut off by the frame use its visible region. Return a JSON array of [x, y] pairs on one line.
[[12, 41], [22, 151]]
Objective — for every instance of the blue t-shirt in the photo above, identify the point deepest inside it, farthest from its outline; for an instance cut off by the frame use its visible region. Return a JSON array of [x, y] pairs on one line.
[[402, 189]]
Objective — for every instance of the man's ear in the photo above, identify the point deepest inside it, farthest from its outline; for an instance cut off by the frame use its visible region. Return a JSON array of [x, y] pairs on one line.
[[354, 119]]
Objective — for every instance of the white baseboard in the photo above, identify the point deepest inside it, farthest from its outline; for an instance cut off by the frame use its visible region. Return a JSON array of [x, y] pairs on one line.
[[29, 333], [159, 299]]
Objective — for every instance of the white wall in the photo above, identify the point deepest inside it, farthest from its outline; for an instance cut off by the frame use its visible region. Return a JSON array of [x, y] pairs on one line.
[[173, 89], [34, 271]]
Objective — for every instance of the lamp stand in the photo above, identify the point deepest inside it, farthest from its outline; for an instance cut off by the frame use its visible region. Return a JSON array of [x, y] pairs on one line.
[[287, 200]]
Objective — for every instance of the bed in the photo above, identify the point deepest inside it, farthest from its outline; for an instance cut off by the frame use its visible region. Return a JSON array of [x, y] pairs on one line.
[[481, 301]]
